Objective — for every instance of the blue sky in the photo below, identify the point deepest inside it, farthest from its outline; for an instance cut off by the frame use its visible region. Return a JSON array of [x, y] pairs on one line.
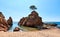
[[49, 10]]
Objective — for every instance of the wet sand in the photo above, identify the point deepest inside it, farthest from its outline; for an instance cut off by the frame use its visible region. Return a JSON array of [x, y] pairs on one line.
[[54, 32]]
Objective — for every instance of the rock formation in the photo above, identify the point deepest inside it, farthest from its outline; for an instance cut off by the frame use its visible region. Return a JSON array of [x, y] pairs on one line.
[[4, 25], [16, 29], [49, 25], [10, 21], [33, 20], [1, 15]]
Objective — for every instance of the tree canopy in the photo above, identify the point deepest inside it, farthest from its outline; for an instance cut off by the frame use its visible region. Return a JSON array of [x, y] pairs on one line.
[[33, 7]]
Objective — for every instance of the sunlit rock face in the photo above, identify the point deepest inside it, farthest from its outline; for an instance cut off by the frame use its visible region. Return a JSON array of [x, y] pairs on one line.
[[33, 20], [4, 25], [10, 21], [1, 15]]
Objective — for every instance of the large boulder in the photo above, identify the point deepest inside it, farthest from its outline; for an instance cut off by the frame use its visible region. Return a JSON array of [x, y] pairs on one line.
[[33, 20], [3, 21], [4, 25], [10, 21], [16, 29]]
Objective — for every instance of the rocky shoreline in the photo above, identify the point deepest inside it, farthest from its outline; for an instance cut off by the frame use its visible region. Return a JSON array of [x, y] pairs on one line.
[[33, 27], [5, 24], [33, 20]]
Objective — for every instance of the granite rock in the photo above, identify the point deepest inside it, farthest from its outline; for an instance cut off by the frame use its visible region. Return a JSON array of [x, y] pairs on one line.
[[33, 20]]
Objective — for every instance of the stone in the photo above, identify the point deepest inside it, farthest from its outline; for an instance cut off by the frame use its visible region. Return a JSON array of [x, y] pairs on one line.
[[49, 25], [4, 25], [16, 29], [3, 21], [1, 15], [33, 20], [10, 21], [21, 21]]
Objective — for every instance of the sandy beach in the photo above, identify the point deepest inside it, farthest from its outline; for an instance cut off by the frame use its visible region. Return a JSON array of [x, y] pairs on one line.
[[54, 32]]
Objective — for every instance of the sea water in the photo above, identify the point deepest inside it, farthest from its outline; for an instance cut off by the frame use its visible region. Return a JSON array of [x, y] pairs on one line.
[[15, 24]]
